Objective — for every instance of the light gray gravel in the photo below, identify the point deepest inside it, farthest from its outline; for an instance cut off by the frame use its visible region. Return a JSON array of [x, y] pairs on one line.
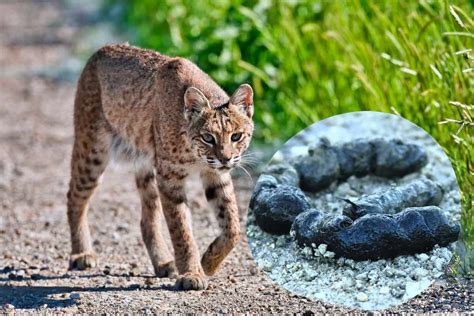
[[367, 284]]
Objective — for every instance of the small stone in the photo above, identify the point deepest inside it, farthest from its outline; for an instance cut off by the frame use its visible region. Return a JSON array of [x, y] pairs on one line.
[[322, 248], [9, 306], [266, 266], [74, 296], [280, 242], [307, 251], [310, 275], [384, 290], [362, 297], [329, 254], [373, 275], [418, 273], [399, 273], [438, 264], [389, 272], [423, 257], [350, 263], [362, 276]]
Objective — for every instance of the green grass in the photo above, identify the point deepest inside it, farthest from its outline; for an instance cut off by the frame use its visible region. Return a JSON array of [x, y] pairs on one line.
[[308, 60]]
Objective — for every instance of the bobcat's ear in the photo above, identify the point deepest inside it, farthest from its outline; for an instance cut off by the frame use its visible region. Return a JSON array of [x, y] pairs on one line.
[[194, 101], [243, 98]]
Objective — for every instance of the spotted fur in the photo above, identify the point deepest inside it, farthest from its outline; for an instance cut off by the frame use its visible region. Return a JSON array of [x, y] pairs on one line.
[[169, 118]]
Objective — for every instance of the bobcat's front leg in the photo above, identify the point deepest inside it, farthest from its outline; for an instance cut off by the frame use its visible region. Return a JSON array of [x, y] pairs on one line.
[[173, 200], [220, 192]]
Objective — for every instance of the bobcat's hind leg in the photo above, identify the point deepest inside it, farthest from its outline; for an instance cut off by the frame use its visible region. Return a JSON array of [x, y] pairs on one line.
[[152, 224], [89, 159]]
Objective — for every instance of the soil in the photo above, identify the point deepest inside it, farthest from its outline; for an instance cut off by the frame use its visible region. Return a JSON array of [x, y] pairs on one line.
[[39, 45]]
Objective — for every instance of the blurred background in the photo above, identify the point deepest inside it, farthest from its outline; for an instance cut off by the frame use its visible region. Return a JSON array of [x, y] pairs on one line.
[[308, 60]]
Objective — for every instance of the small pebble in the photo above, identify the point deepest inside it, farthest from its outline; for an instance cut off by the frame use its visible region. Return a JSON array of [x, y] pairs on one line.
[[385, 290], [322, 248], [423, 257], [362, 297], [329, 254], [266, 266]]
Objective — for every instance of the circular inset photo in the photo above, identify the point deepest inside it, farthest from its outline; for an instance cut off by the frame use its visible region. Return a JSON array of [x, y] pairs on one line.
[[360, 210]]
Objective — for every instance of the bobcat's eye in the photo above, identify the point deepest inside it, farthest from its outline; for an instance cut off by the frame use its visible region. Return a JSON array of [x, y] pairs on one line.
[[235, 137], [208, 138]]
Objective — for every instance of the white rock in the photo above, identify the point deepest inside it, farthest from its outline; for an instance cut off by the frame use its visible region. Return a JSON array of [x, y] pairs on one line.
[[418, 273], [280, 241], [266, 265], [350, 263], [341, 261], [438, 264], [389, 272], [362, 276], [373, 275], [385, 290], [359, 284], [307, 251], [423, 257], [310, 274], [362, 297], [322, 248], [329, 254], [9, 306], [399, 272]]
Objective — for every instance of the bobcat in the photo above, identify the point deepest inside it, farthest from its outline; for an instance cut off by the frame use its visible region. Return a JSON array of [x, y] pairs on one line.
[[170, 118]]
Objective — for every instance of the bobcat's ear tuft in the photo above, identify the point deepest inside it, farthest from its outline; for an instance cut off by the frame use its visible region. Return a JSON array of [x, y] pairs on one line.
[[194, 101], [243, 98]]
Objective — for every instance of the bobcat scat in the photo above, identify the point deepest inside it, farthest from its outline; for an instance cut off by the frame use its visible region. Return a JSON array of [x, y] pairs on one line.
[[326, 163], [275, 208], [417, 193]]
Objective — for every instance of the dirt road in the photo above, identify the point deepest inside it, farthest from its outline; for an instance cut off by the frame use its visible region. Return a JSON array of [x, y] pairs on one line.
[[37, 41]]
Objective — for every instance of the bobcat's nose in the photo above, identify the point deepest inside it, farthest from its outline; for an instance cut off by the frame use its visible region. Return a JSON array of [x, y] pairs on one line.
[[225, 160]]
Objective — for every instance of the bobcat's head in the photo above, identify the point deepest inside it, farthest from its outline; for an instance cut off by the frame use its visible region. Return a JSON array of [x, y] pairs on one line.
[[220, 134]]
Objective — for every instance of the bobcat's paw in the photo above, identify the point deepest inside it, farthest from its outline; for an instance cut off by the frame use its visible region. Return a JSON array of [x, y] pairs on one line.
[[210, 265], [191, 281], [83, 261], [166, 270]]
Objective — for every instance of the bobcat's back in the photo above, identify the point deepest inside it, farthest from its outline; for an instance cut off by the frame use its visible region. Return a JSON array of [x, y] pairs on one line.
[[141, 89]]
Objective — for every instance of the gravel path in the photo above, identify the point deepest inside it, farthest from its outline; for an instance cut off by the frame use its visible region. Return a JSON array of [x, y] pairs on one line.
[[37, 42]]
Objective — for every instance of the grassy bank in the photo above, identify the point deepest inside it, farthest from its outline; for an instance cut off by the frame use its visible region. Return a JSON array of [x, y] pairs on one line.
[[308, 60]]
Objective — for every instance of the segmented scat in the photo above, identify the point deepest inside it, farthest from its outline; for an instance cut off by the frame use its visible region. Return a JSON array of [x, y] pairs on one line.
[[386, 158], [376, 236], [316, 227], [417, 193], [265, 181], [275, 207]]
